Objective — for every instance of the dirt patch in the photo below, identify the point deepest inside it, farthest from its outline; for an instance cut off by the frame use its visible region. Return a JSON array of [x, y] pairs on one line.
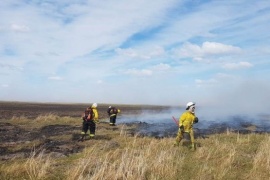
[[63, 148], [56, 130], [10, 133], [59, 140], [14, 141]]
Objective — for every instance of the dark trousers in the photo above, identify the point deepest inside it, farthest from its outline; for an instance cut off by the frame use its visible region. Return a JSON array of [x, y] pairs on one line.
[[113, 119], [91, 125]]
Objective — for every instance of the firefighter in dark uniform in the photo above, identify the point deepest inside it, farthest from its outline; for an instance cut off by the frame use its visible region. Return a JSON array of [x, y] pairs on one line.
[[90, 118], [112, 112]]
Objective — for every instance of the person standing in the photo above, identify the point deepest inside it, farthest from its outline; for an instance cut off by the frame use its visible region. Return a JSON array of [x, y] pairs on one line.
[[112, 112], [186, 121], [90, 118]]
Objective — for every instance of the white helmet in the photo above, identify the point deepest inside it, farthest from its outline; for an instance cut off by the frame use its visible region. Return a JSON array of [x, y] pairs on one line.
[[94, 105], [189, 104]]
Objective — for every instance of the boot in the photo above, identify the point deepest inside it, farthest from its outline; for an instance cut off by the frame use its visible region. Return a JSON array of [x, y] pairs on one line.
[[192, 147], [82, 138]]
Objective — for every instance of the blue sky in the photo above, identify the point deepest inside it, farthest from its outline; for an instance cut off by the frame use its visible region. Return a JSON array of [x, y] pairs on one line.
[[164, 52]]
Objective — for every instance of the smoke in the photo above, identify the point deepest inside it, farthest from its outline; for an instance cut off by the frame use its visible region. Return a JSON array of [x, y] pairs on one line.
[[211, 120], [249, 98], [242, 107]]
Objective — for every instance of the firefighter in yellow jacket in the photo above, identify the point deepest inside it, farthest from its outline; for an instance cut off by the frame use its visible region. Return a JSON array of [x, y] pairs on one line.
[[90, 118], [186, 121]]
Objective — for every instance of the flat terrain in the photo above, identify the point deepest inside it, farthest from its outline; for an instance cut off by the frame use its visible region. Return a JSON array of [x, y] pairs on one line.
[[51, 127], [33, 110], [40, 141], [56, 128]]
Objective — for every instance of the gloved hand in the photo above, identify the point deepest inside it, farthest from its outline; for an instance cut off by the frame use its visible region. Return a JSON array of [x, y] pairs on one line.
[[196, 120], [181, 128]]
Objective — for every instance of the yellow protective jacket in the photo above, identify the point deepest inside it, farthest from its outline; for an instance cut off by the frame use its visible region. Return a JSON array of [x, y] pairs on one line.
[[187, 120], [114, 114], [95, 113]]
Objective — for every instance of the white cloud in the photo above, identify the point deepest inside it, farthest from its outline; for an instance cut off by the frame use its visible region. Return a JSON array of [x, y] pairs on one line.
[[207, 49], [209, 82], [99, 81], [161, 67], [238, 65], [19, 28], [125, 39], [128, 52], [136, 72], [141, 53], [56, 78], [157, 51], [10, 68]]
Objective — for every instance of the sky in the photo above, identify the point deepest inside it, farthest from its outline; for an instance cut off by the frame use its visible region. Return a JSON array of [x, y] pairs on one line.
[[162, 52]]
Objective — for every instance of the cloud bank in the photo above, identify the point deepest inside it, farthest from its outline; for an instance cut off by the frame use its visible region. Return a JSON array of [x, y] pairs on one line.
[[165, 52]]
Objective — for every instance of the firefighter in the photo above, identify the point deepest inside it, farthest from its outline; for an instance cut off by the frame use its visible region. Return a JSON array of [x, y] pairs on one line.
[[186, 121], [112, 112], [90, 118]]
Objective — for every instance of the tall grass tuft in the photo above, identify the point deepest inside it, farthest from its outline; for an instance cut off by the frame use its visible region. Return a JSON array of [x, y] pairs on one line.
[[37, 165], [261, 161], [140, 158]]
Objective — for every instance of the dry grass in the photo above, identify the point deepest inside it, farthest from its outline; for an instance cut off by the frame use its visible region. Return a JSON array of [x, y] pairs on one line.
[[221, 156], [37, 166], [261, 161], [42, 120], [138, 159]]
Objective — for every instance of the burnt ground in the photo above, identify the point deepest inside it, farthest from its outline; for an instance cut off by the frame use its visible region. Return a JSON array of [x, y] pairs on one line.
[[17, 142], [13, 136], [33, 110], [62, 140]]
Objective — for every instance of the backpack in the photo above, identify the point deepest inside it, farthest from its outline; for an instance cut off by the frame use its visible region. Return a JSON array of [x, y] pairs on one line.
[[88, 114], [114, 111]]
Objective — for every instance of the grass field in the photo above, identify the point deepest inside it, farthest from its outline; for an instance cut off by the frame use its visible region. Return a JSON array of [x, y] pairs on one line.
[[115, 153]]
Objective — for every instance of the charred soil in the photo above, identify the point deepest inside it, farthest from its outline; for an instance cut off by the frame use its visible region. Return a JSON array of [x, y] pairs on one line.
[[17, 141]]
